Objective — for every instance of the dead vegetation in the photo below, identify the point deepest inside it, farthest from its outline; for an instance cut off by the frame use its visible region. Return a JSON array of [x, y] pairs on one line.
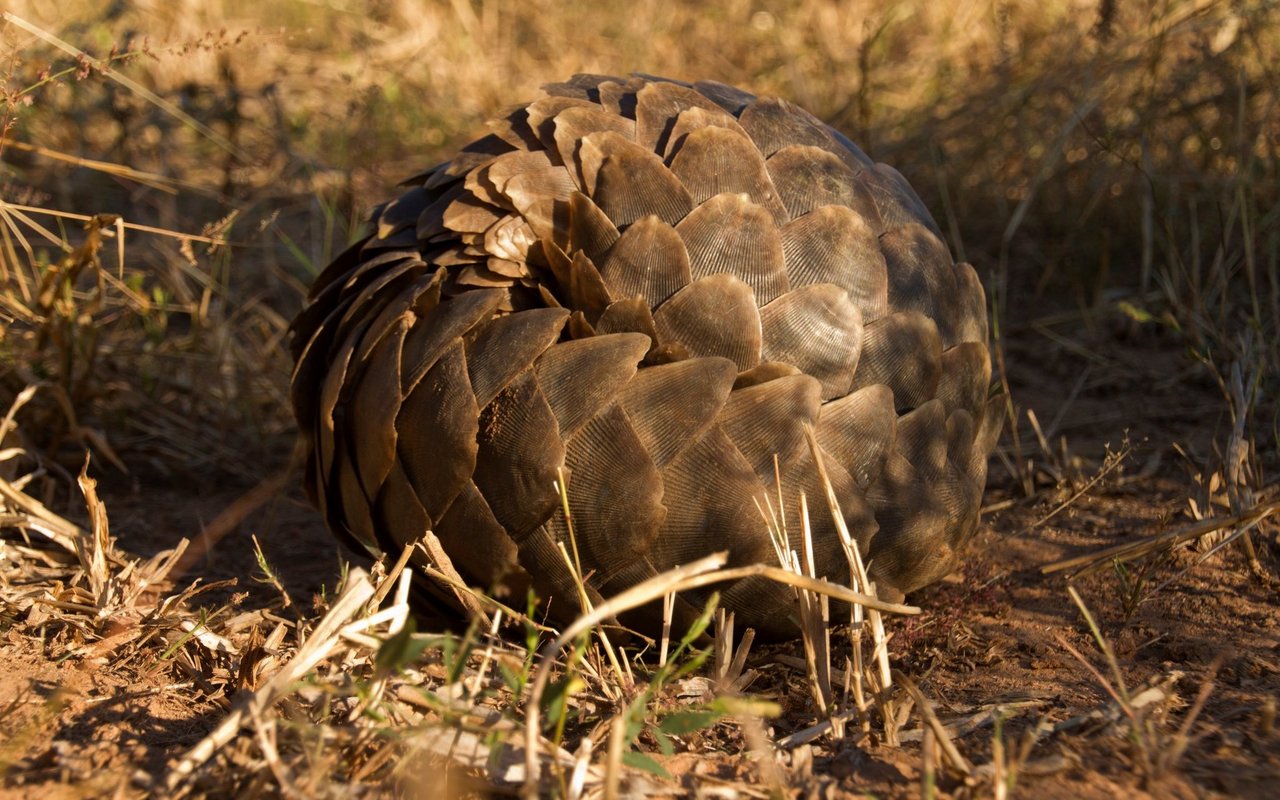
[[172, 178]]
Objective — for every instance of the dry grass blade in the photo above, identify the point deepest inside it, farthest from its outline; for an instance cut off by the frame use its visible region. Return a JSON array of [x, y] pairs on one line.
[[1116, 686], [164, 183], [574, 566], [474, 601], [36, 517], [501, 761], [446, 574], [668, 612], [957, 761], [722, 644], [765, 757], [1155, 752], [1170, 755], [815, 622], [130, 84], [732, 675], [613, 761], [814, 732], [121, 223], [861, 617], [987, 715], [93, 549], [637, 595], [817, 586], [1091, 562], [928, 764], [1121, 693], [1236, 460]]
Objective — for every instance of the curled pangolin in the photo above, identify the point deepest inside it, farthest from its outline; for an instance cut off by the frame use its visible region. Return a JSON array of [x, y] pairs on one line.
[[652, 288]]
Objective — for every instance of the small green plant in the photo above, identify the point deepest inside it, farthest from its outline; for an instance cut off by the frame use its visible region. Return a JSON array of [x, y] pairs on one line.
[[1134, 581], [403, 648], [639, 715]]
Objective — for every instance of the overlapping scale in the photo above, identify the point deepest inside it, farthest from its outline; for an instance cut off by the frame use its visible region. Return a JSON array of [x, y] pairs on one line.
[[648, 260], [519, 453], [579, 378], [440, 414], [712, 160], [769, 419], [833, 244], [658, 106], [374, 404], [713, 316], [501, 349], [730, 235], [693, 119], [672, 405], [921, 276], [808, 177], [629, 182], [818, 330], [903, 352], [614, 491], [859, 430]]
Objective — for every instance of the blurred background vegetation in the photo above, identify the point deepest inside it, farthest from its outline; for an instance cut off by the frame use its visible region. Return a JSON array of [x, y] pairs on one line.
[[173, 173]]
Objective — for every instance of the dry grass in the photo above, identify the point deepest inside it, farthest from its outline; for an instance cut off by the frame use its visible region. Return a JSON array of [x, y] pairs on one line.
[[173, 175]]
